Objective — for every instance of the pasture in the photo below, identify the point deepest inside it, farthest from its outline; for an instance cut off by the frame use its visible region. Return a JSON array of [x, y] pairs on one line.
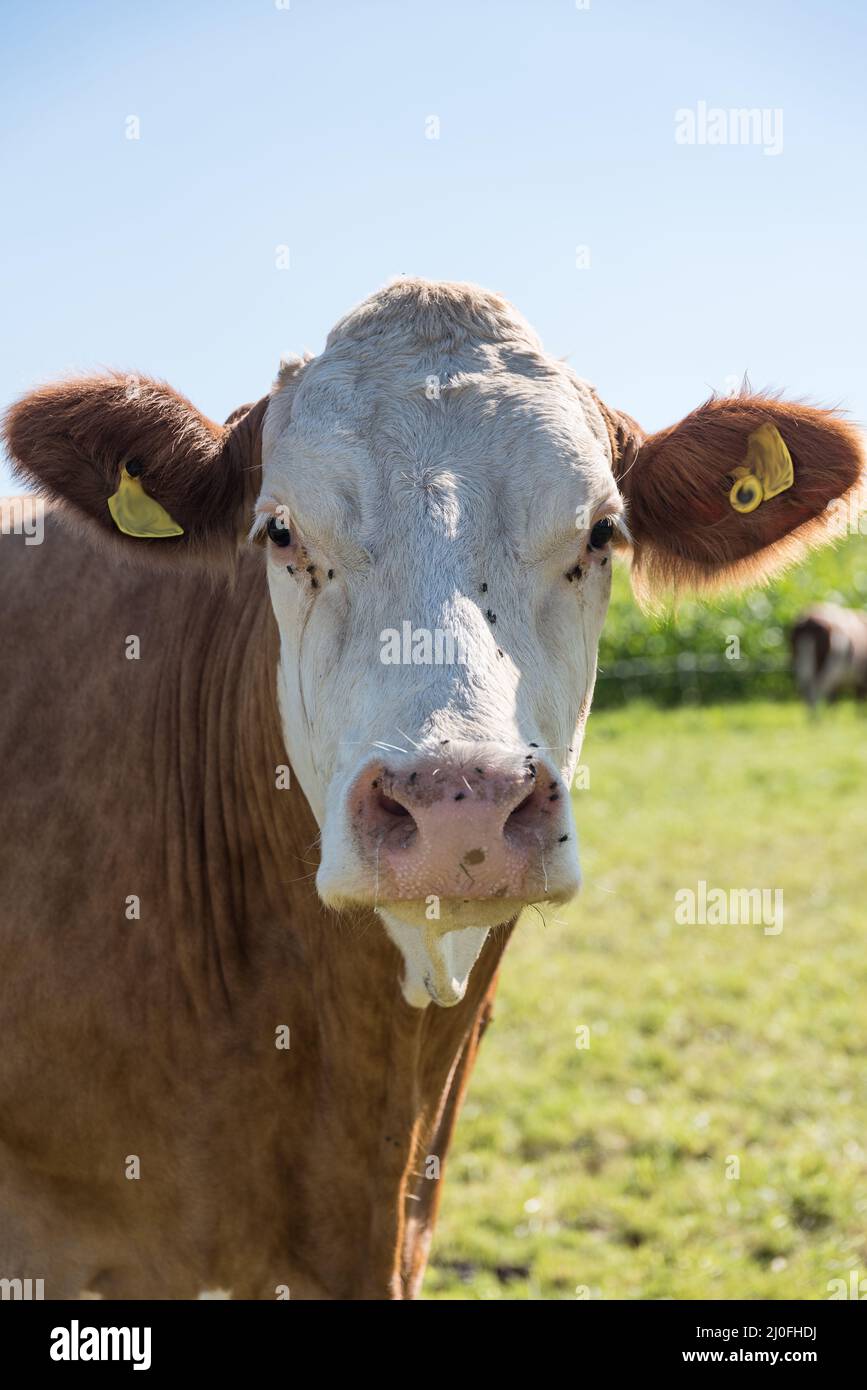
[[605, 1168]]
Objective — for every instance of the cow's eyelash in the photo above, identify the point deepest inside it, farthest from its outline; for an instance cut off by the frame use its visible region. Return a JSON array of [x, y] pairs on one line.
[[620, 531], [602, 533], [266, 512], [260, 522]]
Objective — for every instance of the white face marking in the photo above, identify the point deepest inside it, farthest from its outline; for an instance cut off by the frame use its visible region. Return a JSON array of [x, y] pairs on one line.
[[439, 476]]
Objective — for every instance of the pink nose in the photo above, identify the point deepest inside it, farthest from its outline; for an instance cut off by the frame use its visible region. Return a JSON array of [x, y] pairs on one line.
[[474, 831]]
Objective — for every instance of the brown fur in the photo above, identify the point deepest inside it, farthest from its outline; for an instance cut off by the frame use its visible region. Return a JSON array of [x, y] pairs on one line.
[[686, 533], [156, 1037], [71, 440]]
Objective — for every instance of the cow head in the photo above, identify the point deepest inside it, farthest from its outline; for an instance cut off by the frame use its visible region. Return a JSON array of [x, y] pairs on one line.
[[437, 502]]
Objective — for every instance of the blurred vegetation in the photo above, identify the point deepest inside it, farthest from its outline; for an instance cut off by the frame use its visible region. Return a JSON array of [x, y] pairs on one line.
[[605, 1169], [680, 657]]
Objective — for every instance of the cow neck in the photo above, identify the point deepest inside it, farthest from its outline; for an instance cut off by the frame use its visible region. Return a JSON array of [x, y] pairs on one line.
[[393, 1075]]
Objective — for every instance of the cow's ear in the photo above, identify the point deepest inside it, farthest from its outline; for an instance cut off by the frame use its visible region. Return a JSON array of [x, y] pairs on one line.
[[735, 491], [139, 466]]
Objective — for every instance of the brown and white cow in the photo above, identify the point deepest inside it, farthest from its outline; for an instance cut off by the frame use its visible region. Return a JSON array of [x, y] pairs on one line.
[[829, 652], [212, 1075]]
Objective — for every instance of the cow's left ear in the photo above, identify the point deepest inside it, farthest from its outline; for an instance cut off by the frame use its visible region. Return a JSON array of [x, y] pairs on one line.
[[735, 491], [136, 466]]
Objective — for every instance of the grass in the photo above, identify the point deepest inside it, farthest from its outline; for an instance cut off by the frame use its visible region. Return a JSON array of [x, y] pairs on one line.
[[604, 1169]]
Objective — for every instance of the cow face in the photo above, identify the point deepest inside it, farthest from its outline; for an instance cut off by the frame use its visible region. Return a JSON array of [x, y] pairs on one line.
[[437, 501], [439, 506]]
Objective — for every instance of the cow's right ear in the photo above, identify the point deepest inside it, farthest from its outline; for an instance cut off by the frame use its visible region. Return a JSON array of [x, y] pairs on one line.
[[180, 485]]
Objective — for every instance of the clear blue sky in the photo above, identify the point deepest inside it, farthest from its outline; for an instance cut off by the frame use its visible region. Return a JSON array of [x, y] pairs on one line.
[[262, 127]]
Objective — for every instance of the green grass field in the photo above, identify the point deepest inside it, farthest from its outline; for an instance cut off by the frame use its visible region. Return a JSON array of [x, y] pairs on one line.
[[605, 1169]]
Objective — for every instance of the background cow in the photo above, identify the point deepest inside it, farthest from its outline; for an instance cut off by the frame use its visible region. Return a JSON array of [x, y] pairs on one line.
[[209, 1080], [829, 652]]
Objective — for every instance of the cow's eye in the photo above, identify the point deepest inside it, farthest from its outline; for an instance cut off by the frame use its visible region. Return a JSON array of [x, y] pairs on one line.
[[278, 532], [601, 533]]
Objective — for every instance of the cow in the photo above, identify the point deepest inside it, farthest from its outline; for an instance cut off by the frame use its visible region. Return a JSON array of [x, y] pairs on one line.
[[261, 855], [829, 653]]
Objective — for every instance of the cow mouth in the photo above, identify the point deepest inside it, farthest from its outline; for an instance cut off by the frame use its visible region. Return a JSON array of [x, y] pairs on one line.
[[455, 914], [437, 964]]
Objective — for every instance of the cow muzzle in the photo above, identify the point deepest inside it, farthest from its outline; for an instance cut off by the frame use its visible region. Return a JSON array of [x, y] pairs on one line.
[[468, 832], [445, 847]]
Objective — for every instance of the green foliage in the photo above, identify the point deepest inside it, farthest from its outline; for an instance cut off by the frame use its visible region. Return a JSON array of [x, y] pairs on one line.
[[680, 657], [607, 1168]]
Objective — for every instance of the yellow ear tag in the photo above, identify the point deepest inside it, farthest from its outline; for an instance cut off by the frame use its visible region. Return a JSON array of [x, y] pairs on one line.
[[766, 471], [138, 515]]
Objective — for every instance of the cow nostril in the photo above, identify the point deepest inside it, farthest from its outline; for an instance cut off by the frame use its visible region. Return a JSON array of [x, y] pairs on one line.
[[394, 823], [522, 807]]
